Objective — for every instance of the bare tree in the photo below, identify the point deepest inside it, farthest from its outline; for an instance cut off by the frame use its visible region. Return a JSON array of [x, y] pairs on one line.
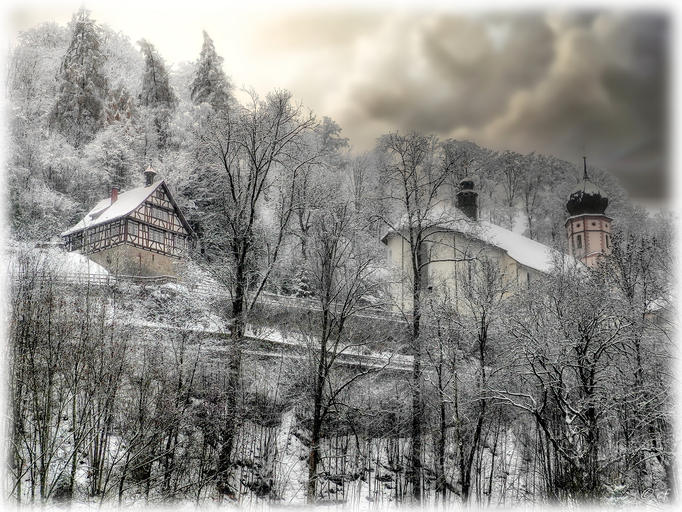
[[412, 174], [66, 361], [342, 265], [566, 354], [637, 269], [464, 334], [242, 153]]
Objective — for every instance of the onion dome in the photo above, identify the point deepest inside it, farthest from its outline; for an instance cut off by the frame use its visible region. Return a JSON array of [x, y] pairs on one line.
[[466, 184], [587, 197]]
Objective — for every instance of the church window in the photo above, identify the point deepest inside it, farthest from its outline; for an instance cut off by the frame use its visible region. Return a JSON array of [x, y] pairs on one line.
[[608, 241], [579, 242]]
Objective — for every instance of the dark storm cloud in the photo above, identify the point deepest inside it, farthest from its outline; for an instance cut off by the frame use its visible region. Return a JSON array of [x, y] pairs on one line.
[[468, 69], [549, 82]]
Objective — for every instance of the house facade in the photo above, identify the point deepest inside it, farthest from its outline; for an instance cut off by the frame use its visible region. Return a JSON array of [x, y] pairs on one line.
[[140, 232]]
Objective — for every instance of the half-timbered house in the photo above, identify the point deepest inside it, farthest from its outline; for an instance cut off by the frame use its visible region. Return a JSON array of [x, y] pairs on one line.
[[139, 232]]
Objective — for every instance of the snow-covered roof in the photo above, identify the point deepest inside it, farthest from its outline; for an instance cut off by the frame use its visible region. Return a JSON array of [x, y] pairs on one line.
[[54, 259], [104, 211], [525, 251]]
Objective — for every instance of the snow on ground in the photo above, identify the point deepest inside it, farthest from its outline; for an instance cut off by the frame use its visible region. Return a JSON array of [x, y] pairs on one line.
[[74, 263], [290, 448], [54, 259]]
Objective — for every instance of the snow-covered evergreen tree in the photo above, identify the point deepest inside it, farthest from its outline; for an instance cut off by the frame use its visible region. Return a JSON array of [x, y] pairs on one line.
[[124, 64], [210, 84], [157, 95], [79, 110], [156, 89]]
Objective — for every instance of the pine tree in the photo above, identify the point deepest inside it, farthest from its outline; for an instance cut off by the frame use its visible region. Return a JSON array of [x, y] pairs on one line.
[[210, 84], [79, 111], [157, 94], [156, 88]]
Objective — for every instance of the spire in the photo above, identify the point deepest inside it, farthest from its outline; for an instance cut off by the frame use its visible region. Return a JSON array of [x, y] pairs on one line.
[[585, 168]]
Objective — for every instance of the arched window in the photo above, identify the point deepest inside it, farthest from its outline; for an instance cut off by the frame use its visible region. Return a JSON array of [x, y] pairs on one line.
[[579, 241], [608, 241]]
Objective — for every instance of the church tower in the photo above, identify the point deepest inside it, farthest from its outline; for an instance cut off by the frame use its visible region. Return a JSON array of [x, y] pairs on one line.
[[588, 228], [467, 198]]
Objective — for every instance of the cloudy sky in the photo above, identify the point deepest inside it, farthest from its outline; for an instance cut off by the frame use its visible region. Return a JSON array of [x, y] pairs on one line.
[[559, 82]]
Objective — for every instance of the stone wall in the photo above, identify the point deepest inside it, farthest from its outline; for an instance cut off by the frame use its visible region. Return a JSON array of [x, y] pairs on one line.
[[135, 261]]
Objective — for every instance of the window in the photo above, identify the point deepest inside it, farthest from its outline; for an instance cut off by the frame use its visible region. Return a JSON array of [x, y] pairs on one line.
[[608, 241], [579, 241], [133, 229], [76, 241], [96, 235], [160, 214], [390, 256], [156, 235]]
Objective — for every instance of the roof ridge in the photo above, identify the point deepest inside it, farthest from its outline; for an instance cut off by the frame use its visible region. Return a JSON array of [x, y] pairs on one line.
[[105, 214]]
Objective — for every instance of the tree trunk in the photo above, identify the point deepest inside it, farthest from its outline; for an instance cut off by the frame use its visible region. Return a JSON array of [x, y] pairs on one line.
[[417, 406], [233, 382]]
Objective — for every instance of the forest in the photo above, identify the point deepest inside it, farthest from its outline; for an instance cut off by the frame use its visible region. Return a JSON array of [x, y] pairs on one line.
[[556, 391]]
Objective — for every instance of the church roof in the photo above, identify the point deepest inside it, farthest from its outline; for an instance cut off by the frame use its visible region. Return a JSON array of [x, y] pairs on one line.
[[523, 250], [527, 252], [104, 211]]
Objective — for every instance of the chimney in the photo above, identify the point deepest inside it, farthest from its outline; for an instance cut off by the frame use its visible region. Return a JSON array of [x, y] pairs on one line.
[[114, 193], [149, 176], [467, 198]]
